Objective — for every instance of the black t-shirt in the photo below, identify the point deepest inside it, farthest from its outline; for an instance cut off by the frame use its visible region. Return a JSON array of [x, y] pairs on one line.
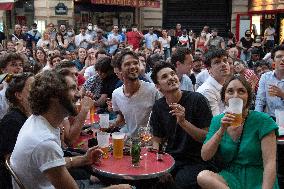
[[2, 36], [245, 43], [109, 85], [10, 126], [180, 144]]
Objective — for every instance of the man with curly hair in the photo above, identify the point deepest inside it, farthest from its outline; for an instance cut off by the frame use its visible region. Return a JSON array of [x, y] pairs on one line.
[[38, 158]]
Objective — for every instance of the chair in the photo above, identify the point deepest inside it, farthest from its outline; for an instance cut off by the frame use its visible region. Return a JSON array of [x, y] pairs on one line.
[[11, 171]]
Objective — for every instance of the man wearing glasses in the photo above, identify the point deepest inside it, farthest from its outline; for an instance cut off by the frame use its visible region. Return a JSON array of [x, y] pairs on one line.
[[270, 94]]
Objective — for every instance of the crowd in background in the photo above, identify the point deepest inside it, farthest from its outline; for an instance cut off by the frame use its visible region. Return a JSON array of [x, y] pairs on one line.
[[104, 66]]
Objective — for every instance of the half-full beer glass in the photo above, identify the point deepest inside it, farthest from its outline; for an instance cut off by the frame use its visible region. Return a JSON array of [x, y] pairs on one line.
[[103, 142], [236, 107], [118, 143]]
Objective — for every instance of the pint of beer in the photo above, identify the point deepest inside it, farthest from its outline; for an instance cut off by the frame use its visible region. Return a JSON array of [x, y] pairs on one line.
[[236, 107], [269, 90], [103, 143], [118, 143]]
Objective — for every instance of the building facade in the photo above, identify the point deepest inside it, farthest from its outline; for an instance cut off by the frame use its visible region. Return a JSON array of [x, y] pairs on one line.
[[103, 13]]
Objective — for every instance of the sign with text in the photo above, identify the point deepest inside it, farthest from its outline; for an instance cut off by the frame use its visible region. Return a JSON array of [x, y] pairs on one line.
[[131, 3], [61, 9]]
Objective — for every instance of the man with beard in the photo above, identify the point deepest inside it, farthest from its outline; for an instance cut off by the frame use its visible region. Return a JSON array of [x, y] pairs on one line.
[[180, 119], [134, 100], [37, 158], [219, 69]]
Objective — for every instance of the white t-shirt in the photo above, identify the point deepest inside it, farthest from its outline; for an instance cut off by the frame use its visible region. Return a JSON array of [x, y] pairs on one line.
[[164, 42], [38, 148], [201, 78], [111, 38], [186, 83], [4, 106], [269, 33], [135, 109], [90, 71], [211, 90], [80, 38]]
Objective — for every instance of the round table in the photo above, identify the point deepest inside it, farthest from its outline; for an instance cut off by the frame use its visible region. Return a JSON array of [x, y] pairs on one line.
[[280, 140], [123, 169]]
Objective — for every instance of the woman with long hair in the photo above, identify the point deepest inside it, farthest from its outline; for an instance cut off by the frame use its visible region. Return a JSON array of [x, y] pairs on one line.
[[17, 94]]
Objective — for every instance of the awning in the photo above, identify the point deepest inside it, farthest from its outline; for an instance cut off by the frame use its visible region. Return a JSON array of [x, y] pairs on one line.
[[131, 3], [6, 4]]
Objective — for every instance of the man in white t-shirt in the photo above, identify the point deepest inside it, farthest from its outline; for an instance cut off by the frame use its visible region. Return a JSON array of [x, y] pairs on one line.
[[83, 39], [135, 98], [182, 60], [114, 39], [219, 68], [38, 158]]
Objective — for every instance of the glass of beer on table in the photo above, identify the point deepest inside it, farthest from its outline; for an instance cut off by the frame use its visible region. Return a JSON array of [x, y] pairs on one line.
[[103, 143], [236, 108], [118, 144]]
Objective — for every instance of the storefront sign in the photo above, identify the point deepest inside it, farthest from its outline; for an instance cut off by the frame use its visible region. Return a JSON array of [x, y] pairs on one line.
[[132, 3], [61, 9]]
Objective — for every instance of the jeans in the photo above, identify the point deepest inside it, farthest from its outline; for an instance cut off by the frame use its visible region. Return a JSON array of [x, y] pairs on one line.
[[167, 53], [185, 174]]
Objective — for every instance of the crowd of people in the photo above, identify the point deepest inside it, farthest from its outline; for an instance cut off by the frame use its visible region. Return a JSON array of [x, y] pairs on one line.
[[179, 81]]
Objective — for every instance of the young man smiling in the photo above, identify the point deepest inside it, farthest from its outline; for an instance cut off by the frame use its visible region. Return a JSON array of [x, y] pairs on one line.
[[180, 118], [135, 98]]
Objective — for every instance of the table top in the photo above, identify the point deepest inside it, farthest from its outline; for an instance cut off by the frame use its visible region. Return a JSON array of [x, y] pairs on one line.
[[280, 140], [123, 169]]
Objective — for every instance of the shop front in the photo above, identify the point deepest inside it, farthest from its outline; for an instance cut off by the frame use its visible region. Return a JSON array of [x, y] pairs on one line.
[[106, 13], [260, 15]]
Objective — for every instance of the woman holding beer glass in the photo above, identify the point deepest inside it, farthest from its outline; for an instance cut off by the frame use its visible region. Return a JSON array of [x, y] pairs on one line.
[[248, 150]]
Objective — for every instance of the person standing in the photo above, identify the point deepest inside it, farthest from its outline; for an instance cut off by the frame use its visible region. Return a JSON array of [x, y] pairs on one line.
[[150, 37], [82, 40], [215, 41], [269, 34], [165, 41], [114, 39], [245, 44], [134, 37]]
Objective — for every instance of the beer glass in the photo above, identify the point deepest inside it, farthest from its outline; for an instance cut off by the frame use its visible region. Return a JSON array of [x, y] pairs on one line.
[[118, 144], [279, 114], [103, 143], [236, 107], [270, 85], [104, 120], [92, 114]]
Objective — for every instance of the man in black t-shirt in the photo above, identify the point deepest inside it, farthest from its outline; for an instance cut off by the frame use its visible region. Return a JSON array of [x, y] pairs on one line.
[[180, 118], [245, 44]]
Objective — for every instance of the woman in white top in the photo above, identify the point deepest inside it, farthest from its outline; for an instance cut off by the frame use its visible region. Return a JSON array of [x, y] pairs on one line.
[[165, 40], [45, 42]]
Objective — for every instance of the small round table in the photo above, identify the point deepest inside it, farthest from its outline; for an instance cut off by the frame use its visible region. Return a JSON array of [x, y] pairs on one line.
[[123, 169]]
